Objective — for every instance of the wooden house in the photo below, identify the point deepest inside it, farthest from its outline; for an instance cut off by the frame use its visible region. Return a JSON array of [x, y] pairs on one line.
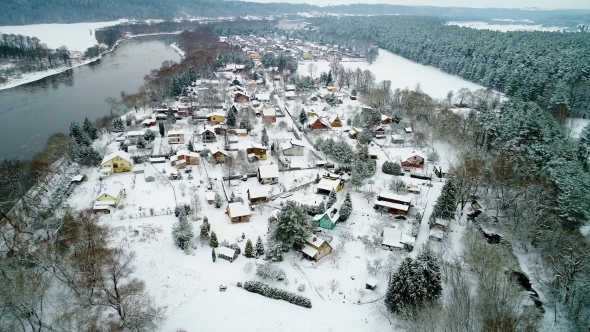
[[257, 194], [133, 136], [241, 132], [175, 137], [226, 253], [354, 133], [385, 119], [293, 148], [393, 203], [218, 155], [148, 122], [330, 182], [269, 113], [415, 160], [238, 212], [408, 130], [371, 283], [319, 124], [441, 170], [207, 135], [111, 196], [215, 117], [379, 132], [289, 87], [335, 121], [210, 197], [257, 150], [268, 174], [116, 162], [263, 97], [394, 198], [190, 158], [397, 139], [240, 97], [316, 248], [332, 89], [328, 219]]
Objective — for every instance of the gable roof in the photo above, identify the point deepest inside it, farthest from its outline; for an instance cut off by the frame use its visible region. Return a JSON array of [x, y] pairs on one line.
[[119, 153], [215, 114], [396, 197], [269, 112], [392, 237], [225, 251], [258, 192], [268, 171], [333, 117], [259, 146], [238, 209], [263, 96], [112, 190], [317, 243], [297, 142]]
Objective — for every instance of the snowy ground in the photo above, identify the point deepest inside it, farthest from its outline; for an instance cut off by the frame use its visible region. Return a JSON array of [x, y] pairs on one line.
[[504, 27], [403, 73]]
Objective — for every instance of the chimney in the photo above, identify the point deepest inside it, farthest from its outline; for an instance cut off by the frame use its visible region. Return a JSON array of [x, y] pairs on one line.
[[315, 239]]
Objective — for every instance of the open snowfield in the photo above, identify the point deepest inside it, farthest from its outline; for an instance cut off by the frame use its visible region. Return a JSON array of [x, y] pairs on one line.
[[577, 125], [504, 27], [403, 73], [75, 36]]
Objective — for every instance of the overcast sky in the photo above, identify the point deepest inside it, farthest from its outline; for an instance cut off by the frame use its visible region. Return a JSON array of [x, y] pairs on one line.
[[542, 4]]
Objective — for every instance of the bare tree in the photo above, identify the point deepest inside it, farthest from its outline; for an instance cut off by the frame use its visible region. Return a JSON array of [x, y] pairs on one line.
[[368, 194], [333, 285], [312, 69]]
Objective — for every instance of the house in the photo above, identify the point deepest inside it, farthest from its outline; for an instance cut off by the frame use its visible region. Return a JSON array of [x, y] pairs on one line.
[[263, 97], [319, 124], [293, 148], [210, 197], [219, 129], [415, 160], [235, 108], [290, 95], [190, 158], [335, 121], [218, 155], [413, 188], [268, 174], [241, 132], [392, 208], [226, 253], [254, 56], [257, 194], [366, 108], [332, 89], [385, 119], [289, 87], [436, 234], [175, 137], [109, 196], [207, 135], [238, 212], [330, 182], [269, 114], [371, 283], [257, 150], [397, 139], [116, 162], [328, 219], [316, 248], [148, 122], [394, 198], [215, 117], [408, 130], [240, 97], [133, 136], [379, 132], [354, 132], [441, 170]]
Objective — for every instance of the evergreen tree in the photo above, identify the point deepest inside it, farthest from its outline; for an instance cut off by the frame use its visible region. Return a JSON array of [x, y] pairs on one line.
[[79, 136], [407, 287], [161, 128], [245, 124], [232, 197], [182, 232], [259, 247], [275, 250], [85, 155], [346, 208], [149, 135], [388, 168], [329, 78], [117, 125], [90, 129], [249, 249], [231, 119], [303, 118], [365, 137], [218, 202], [141, 142], [191, 148], [213, 256], [356, 180], [170, 118], [397, 116], [331, 199], [264, 137], [446, 204], [204, 230], [292, 226], [584, 146], [331, 99], [213, 240], [431, 273]]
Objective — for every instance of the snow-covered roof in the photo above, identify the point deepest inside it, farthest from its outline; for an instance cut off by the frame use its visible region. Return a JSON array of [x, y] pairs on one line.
[[258, 192], [396, 206], [241, 131], [258, 146], [215, 114], [314, 240], [268, 171], [415, 153], [135, 133], [309, 250], [384, 117], [119, 153], [148, 121], [77, 178], [186, 153], [372, 282], [215, 150], [225, 251], [332, 118], [397, 137], [297, 142], [290, 94], [437, 233], [408, 239], [392, 237], [263, 96], [396, 197], [205, 129], [209, 195], [175, 132], [286, 145], [112, 190], [290, 87], [408, 129], [328, 184], [238, 209], [269, 112]]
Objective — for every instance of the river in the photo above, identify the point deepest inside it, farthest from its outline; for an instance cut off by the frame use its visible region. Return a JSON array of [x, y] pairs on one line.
[[30, 113]]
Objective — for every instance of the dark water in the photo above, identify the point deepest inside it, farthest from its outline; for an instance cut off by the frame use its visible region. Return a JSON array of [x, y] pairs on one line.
[[30, 113]]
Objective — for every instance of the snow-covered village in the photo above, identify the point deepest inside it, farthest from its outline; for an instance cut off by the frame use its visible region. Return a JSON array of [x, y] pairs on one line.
[[271, 182]]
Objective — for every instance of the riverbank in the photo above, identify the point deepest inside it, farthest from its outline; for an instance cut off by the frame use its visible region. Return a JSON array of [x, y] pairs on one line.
[[35, 76]]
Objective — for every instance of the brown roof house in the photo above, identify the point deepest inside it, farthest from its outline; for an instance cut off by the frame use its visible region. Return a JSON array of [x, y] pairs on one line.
[[335, 121], [316, 248], [393, 203], [238, 212]]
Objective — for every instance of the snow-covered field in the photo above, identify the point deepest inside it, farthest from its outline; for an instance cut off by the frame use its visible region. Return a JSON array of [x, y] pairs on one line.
[[504, 27], [403, 73], [75, 36]]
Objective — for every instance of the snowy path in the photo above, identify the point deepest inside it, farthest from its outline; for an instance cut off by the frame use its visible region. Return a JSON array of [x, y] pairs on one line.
[[311, 285]]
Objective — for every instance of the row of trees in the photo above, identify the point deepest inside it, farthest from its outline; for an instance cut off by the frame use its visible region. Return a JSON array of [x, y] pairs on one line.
[[29, 54]]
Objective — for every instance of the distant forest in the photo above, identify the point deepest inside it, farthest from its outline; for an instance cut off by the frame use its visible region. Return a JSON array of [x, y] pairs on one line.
[[19, 12], [550, 68]]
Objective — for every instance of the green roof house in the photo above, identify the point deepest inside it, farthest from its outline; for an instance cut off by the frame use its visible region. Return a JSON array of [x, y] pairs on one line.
[[328, 219]]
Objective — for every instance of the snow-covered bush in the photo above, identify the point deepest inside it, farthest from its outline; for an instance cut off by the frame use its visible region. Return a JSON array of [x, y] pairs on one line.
[[270, 271], [301, 287], [276, 293]]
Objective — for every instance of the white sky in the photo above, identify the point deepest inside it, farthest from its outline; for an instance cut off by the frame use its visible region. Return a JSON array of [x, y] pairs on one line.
[[541, 4]]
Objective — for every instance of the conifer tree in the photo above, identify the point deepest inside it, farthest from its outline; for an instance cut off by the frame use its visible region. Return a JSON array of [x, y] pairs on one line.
[[231, 118], [431, 273], [213, 256], [264, 137], [149, 135], [170, 118], [218, 202], [346, 208], [232, 197], [213, 240], [406, 287], [331, 199], [303, 117], [182, 232], [141, 143], [161, 128], [259, 247], [117, 125], [446, 204], [191, 148], [249, 249], [90, 129], [204, 230], [292, 226]]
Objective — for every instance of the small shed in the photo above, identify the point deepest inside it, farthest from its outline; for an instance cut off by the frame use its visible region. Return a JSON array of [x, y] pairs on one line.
[[227, 253], [238, 212], [371, 283], [210, 197], [257, 194], [77, 179]]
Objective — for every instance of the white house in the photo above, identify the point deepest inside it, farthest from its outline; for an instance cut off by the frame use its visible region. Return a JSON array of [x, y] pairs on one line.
[[293, 148], [175, 137], [268, 174]]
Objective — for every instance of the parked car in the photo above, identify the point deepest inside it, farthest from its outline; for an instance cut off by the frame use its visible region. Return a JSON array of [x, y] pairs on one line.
[[175, 176], [400, 217]]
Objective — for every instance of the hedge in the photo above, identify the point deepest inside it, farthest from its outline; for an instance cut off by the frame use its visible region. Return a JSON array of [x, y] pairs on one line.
[[276, 293]]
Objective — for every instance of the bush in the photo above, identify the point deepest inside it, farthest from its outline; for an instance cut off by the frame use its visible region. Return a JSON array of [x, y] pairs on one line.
[[301, 287], [178, 209], [239, 284], [276, 293], [270, 271]]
